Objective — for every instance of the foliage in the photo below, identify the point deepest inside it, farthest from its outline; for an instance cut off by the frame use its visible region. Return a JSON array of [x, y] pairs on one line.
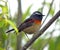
[[5, 23], [27, 13]]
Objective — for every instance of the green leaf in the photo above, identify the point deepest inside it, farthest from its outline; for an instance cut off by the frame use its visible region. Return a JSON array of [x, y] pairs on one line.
[[13, 40], [52, 11], [4, 9], [51, 44], [1, 48], [2, 22], [27, 12], [1, 5], [37, 44], [4, 36], [13, 25], [57, 43], [48, 4]]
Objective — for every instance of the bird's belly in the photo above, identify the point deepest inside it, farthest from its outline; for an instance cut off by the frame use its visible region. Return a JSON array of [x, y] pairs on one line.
[[32, 29]]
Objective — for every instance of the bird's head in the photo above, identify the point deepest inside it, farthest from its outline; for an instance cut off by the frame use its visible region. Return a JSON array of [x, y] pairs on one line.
[[37, 15]]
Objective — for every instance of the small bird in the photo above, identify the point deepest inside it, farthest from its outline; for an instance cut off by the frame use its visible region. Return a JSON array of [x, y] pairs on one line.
[[32, 24]]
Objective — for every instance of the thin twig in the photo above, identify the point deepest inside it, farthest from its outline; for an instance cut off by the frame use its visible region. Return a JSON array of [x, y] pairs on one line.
[[41, 31], [48, 11], [43, 6]]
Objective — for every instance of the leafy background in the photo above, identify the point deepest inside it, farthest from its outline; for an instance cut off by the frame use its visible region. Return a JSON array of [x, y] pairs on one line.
[[15, 40]]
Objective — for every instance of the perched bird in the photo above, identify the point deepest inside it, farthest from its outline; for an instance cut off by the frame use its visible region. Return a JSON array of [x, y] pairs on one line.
[[32, 24]]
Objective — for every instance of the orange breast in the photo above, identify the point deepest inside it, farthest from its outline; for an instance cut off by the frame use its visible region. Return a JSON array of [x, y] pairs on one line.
[[37, 21]]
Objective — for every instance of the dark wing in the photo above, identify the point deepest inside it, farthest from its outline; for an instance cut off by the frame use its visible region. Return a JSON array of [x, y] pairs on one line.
[[26, 24]]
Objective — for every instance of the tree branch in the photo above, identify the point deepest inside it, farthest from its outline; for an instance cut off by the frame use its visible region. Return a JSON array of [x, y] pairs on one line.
[[41, 31], [19, 17]]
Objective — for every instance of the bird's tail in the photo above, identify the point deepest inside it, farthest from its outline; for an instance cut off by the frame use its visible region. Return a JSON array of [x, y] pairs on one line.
[[9, 30]]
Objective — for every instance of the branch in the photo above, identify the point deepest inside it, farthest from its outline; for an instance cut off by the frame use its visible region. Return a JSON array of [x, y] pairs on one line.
[[41, 31], [48, 11], [50, 8], [43, 6], [19, 17]]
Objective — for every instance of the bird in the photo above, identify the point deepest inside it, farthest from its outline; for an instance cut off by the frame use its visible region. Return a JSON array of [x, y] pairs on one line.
[[30, 25]]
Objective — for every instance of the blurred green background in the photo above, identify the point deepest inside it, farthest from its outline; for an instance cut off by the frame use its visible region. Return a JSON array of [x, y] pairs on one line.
[[13, 12]]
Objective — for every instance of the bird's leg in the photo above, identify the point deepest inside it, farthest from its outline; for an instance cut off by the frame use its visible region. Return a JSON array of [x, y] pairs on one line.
[[27, 36]]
